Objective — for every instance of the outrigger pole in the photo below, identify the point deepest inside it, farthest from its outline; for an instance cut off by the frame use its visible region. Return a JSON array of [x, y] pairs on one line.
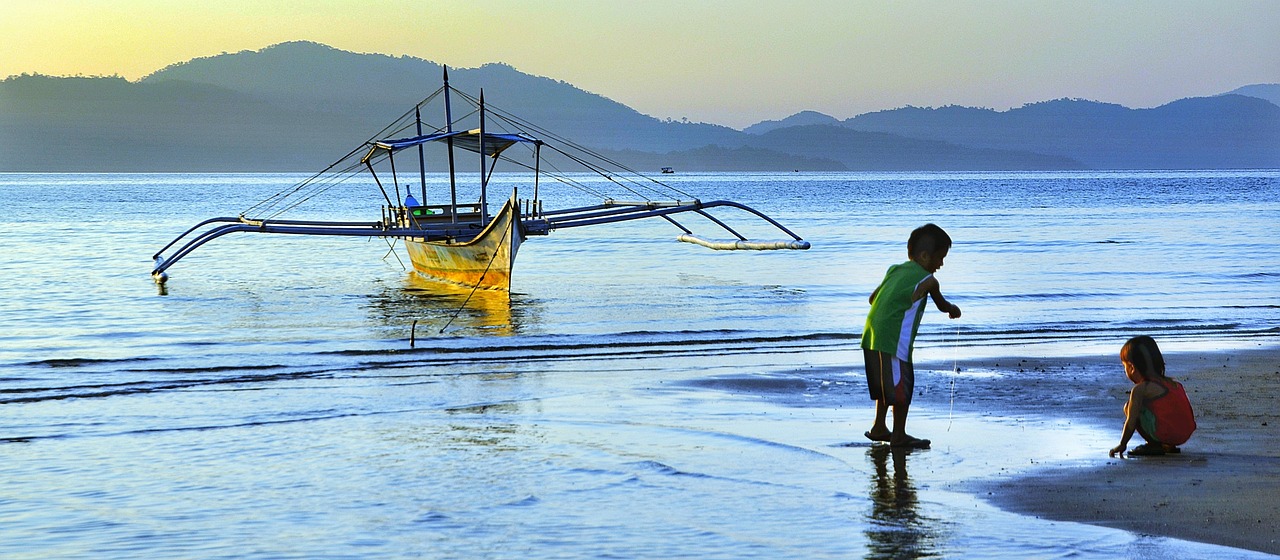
[[545, 223]]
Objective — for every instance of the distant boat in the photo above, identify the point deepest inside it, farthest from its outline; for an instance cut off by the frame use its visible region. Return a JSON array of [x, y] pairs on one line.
[[462, 242], [668, 170]]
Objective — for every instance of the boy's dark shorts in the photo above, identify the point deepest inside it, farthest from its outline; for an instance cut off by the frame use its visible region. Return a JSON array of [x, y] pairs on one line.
[[889, 378]]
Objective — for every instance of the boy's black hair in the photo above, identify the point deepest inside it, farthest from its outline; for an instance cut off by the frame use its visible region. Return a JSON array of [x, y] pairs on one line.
[[1144, 354], [927, 238]]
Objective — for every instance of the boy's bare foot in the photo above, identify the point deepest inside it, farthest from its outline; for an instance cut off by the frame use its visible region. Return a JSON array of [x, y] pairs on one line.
[[878, 436], [1147, 449], [910, 442]]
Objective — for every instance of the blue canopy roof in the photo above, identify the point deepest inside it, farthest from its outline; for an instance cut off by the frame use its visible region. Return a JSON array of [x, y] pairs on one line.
[[494, 143]]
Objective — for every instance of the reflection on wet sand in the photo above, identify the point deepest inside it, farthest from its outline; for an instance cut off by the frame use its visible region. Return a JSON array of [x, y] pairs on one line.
[[436, 305], [897, 529]]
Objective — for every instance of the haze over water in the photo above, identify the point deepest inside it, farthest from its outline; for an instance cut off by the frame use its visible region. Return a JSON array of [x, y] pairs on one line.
[[637, 397]]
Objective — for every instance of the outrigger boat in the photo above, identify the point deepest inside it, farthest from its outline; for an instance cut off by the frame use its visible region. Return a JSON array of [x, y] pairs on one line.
[[463, 242]]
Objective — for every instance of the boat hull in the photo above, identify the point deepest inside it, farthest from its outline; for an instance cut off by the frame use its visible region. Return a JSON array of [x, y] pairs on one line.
[[484, 261]]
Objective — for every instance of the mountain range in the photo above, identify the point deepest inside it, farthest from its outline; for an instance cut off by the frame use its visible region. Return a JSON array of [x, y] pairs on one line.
[[299, 106]]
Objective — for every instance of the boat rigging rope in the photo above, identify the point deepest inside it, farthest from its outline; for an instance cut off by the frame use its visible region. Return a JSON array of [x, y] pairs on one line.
[[321, 178], [542, 132], [391, 250], [350, 166], [480, 280]]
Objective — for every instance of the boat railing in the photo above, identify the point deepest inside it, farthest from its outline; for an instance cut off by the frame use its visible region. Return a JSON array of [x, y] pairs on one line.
[[529, 208], [412, 216]]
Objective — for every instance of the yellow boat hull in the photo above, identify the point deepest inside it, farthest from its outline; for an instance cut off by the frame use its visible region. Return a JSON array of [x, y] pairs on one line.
[[484, 261]]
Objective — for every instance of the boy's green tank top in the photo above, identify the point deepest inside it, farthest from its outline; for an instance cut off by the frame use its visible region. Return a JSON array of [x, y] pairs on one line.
[[894, 319]]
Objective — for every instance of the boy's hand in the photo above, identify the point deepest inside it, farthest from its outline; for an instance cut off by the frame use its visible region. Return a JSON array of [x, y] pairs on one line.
[[954, 313], [1117, 450]]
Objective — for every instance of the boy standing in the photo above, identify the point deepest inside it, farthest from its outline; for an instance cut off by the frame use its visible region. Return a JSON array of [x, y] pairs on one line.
[[897, 306]]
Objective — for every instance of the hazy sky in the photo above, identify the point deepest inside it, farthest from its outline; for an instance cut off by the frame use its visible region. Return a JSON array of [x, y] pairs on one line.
[[732, 62]]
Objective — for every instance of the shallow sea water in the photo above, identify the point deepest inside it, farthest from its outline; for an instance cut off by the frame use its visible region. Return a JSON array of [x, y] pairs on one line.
[[637, 397]]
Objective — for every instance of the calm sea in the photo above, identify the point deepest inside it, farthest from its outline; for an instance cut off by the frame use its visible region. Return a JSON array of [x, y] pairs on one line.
[[636, 397]]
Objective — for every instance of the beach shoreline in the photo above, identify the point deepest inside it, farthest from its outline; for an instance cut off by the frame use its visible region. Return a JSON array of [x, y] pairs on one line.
[[1219, 490]]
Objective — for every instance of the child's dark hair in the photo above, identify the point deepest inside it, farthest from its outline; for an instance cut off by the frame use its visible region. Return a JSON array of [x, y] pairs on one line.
[[927, 238], [1142, 352]]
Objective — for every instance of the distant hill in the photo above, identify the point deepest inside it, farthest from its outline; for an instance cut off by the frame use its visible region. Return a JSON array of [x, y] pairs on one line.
[[1229, 131], [378, 88], [109, 124], [799, 119], [877, 151], [1270, 92], [290, 107], [299, 106], [718, 158]]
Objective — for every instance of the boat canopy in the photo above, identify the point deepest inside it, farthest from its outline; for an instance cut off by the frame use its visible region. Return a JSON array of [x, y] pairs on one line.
[[494, 143]]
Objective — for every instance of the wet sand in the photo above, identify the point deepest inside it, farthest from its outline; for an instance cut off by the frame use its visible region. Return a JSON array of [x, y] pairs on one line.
[[1221, 489]]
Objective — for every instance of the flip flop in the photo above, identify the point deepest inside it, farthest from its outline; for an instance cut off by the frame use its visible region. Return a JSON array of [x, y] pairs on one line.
[[873, 438], [912, 443]]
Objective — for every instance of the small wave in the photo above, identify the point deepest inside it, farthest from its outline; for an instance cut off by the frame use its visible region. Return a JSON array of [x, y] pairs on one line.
[[16, 439], [102, 390], [1046, 296], [210, 369], [526, 501], [608, 342], [433, 517], [1175, 325], [1158, 325], [81, 362], [655, 466]]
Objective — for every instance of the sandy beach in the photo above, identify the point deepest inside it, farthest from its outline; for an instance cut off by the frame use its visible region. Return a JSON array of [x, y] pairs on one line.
[[1221, 489]]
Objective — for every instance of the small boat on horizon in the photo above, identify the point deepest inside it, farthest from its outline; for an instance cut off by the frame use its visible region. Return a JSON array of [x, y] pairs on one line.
[[462, 242], [668, 170]]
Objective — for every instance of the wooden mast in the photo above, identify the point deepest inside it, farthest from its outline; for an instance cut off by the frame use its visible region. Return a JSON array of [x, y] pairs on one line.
[[422, 160], [448, 123], [484, 179]]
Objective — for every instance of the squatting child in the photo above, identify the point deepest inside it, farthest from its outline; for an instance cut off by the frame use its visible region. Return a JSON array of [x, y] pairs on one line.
[[897, 306], [1158, 408]]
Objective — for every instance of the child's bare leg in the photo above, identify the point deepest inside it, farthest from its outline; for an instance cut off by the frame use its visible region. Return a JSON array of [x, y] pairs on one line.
[[900, 423], [900, 436], [880, 430]]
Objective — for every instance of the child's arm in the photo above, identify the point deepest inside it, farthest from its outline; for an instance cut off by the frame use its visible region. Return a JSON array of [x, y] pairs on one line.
[[931, 287], [1137, 400]]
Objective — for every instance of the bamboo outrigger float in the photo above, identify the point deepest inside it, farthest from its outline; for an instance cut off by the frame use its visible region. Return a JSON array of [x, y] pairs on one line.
[[463, 243]]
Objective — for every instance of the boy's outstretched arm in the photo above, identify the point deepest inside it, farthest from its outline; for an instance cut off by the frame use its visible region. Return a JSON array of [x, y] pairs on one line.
[[934, 289]]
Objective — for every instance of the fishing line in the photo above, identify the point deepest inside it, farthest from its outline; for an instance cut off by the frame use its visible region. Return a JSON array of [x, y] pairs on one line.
[[955, 370]]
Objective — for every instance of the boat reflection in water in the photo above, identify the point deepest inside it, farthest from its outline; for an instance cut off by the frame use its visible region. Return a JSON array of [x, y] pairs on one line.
[[436, 305], [897, 529]]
